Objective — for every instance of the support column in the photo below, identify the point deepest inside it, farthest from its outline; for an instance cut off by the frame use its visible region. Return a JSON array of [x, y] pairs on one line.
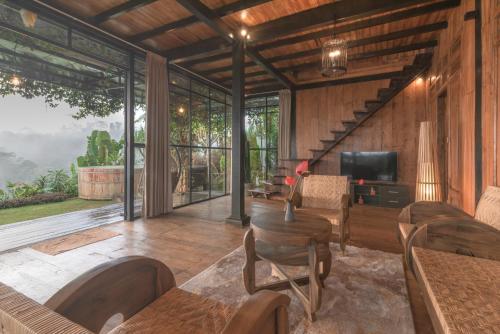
[[238, 215], [129, 141]]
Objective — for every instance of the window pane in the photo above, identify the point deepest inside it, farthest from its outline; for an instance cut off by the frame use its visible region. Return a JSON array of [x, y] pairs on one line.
[[180, 175], [217, 172], [272, 129], [228, 171], [179, 80], [255, 124], [199, 120], [199, 88], [272, 162], [217, 95], [257, 166], [217, 124], [179, 119], [199, 174], [229, 120]]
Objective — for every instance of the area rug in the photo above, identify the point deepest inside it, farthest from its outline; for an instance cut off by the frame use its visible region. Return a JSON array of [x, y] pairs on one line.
[[365, 292], [75, 240]]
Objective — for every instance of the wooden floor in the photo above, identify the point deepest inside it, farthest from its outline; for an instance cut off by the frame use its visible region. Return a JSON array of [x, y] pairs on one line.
[[188, 241]]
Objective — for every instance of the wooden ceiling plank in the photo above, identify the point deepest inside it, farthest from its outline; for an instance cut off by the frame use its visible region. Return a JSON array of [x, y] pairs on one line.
[[345, 81], [339, 11], [120, 10], [351, 44], [221, 12], [370, 22], [359, 56], [210, 18]]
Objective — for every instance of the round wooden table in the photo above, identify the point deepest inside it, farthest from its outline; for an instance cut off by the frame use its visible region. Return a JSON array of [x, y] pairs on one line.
[[303, 242]]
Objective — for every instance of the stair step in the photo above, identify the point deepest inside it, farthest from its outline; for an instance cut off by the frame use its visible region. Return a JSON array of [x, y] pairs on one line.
[[281, 167], [338, 133], [360, 114], [327, 141], [349, 124], [279, 176], [372, 104], [384, 93]]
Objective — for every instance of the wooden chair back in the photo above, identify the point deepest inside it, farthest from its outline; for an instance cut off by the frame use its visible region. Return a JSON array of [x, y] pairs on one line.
[[488, 208], [324, 191], [122, 286], [465, 237]]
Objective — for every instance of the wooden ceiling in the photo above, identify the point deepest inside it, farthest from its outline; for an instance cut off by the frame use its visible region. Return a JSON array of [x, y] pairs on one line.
[[285, 35]]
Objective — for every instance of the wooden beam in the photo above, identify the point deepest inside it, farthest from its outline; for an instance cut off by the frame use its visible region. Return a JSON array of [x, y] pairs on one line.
[[370, 22], [345, 81], [209, 17], [351, 44], [340, 11], [121, 9], [220, 11]]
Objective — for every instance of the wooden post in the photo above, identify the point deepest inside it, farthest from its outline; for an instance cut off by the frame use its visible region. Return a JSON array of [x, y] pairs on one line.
[[238, 215]]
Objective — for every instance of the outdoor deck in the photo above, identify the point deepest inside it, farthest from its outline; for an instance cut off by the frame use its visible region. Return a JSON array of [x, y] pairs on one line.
[[17, 235]]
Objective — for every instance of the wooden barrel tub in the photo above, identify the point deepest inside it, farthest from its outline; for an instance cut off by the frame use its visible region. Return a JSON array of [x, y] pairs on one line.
[[104, 182]]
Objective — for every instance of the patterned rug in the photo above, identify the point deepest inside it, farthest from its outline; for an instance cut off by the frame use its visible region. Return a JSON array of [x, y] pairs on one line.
[[365, 292]]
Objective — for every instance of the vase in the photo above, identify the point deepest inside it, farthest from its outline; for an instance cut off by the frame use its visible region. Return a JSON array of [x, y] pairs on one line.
[[289, 216]]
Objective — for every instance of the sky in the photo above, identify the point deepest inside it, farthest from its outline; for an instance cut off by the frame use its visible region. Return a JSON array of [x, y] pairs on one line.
[[35, 137]]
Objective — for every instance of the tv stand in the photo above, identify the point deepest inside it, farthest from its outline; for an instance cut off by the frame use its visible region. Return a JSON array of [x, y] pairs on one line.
[[384, 194]]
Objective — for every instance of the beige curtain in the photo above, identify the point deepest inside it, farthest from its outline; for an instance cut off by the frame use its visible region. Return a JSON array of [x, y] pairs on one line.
[[158, 185], [284, 142]]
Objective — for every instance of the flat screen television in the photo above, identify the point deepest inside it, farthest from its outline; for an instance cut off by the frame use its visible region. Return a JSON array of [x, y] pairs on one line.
[[374, 166]]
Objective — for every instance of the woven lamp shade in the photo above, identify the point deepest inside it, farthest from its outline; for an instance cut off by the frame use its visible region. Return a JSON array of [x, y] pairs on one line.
[[428, 183]]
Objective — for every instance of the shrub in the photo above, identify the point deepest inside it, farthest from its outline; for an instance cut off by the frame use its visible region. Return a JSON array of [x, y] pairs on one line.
[[37, 199], [57, 180], [22, 190]]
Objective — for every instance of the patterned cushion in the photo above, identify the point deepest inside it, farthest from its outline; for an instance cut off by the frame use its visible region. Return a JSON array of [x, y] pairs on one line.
[[324, 191], [488, 209]]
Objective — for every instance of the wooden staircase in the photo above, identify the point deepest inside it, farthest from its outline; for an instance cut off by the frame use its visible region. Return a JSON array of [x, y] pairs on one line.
[[398, 83]]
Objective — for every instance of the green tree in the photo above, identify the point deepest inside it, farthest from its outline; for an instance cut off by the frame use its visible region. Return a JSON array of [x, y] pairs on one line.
[[58, 180]]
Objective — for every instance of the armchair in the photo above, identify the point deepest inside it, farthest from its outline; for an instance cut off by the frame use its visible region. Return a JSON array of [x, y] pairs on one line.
[[327, 196]]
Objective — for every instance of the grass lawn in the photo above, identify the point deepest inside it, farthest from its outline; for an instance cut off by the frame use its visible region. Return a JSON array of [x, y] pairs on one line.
[[14, 215]]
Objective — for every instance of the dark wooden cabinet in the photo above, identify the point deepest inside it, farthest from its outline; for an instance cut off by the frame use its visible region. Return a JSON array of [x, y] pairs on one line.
[[381, 194]]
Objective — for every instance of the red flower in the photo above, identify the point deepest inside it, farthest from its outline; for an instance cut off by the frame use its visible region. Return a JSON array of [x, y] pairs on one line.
[[302, 167], [289, 180]]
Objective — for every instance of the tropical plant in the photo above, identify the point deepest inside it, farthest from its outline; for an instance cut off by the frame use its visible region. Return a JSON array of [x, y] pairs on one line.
[[57, 180], [22, 190], [102, 150], [42, 182], [3, 195], [71, 187]]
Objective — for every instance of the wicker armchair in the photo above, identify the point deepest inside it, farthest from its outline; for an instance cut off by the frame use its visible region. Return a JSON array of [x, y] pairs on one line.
[[143, 291], [327, 196]]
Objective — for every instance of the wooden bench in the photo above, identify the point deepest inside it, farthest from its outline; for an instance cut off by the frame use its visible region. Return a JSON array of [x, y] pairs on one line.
[[143, 291], [261, 191]]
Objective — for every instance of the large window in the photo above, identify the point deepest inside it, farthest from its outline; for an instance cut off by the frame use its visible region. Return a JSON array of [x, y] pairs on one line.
[[261, 125], [200, 116]]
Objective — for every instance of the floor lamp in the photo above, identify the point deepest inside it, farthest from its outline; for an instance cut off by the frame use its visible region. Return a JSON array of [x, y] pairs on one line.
[[428, 183]]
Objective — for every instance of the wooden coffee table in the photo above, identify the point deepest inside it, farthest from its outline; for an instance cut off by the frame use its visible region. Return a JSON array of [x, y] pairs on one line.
[[303, 242]]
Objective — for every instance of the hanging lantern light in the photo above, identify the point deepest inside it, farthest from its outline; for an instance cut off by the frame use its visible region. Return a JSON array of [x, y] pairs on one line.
[[28, 17], [334, 57]]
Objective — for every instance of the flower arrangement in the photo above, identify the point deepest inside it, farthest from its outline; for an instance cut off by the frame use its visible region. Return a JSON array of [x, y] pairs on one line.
[[293, 182]]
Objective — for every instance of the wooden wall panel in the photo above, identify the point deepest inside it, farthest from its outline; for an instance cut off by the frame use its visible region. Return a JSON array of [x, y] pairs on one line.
[[453, 74], [491, 91], [394, 128]]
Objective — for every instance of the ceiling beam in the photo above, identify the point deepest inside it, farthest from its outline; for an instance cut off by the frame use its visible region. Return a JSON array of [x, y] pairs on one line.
[[121, 9], [359, 56], [220, 11], [210, 18], [183, 55], [351, 44], [339, 11]]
